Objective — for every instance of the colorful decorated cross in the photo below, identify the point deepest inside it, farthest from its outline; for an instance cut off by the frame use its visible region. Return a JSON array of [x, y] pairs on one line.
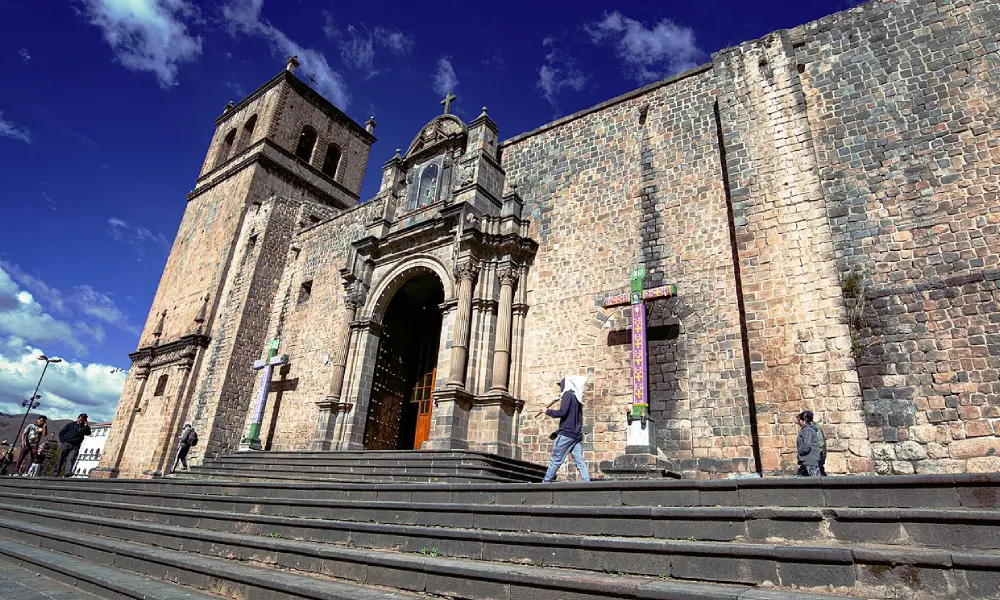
[[638, 297], [273, 359]]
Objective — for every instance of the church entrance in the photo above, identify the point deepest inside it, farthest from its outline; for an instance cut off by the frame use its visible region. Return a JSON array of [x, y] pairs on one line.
[[399, 411]]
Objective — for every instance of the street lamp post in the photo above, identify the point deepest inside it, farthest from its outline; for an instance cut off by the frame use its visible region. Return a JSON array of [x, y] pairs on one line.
[[30, 403]]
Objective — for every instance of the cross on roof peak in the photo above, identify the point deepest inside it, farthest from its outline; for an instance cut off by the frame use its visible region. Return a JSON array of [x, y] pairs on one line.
[[448, 99]]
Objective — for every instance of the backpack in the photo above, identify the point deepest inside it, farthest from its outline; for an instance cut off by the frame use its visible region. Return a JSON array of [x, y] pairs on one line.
[[192, 438], [821, 440]]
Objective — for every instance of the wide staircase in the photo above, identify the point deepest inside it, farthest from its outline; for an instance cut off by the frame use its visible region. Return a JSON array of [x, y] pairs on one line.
[[916, 537], [394, 466]]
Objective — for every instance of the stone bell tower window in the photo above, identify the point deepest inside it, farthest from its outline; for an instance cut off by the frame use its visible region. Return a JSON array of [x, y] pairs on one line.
[[307, 139]]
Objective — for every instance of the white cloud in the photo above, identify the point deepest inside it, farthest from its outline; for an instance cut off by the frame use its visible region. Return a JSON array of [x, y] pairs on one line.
[[48, 294], [100, 306], [558, 73], [138, 237], [68, 388], [358, 43], [147, 35], [647, 53], [243, 16], [445, 79], [9, 130], [21, 316], [83, 301]]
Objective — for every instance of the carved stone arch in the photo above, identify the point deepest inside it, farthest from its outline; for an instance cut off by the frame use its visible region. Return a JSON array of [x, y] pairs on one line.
[[441, 128], [379, 300]]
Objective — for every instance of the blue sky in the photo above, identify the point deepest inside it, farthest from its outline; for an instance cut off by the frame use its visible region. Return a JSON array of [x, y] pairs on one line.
[[106, 110]]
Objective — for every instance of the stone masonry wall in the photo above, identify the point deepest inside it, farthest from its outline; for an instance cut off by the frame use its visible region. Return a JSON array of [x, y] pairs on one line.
[[309, 328], [293, 112], [903, 102], [590, 184], [795, 313], [225, 382]]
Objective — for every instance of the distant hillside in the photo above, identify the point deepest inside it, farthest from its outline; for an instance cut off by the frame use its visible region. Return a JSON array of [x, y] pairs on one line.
[[10, 423]]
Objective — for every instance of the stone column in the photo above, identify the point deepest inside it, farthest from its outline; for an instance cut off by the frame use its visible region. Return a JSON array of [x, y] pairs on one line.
[[501, 349], [466, 273], [331, 407], [351, 305]]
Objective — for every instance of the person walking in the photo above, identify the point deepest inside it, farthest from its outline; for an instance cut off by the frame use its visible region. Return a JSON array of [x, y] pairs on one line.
[[189, 437], [569, 437], [6, 456], [808, 446], [70, 439], [31, 442]]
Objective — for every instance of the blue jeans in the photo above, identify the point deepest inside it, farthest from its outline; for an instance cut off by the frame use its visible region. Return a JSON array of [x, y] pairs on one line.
[[560, 448]]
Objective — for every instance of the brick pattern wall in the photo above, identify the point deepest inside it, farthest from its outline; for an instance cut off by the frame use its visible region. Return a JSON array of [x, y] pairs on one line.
[[589, 185], [903, 100], [227, 379], [293, 112], [309, 329]]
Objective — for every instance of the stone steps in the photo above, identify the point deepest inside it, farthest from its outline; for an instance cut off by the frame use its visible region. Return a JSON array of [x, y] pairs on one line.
[[389, 465], [427, 573], [980, 491], [915, 537], [94, 578], [348, 474], [952, 528], [121, 560]]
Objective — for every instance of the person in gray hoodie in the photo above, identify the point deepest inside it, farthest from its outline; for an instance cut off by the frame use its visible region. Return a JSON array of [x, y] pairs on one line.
[[807, 445]]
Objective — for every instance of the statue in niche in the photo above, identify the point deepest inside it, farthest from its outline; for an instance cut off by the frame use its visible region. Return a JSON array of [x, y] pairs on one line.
[[427, 190]]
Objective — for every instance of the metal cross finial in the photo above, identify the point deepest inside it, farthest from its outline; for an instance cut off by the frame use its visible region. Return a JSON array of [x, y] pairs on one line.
[[448, 99]]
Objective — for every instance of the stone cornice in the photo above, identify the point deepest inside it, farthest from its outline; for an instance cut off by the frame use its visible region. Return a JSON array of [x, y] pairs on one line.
[[181, 352], [258, 153]]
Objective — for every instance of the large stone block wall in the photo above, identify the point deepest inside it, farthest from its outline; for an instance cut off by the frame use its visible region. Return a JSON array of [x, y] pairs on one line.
[[309, 328], [796, 318], [226, 380], [198, 258], [605, 190], [293, 112], [264, 107], [903, 101]]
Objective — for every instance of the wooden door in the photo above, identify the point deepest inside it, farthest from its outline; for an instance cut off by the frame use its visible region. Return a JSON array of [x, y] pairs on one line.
[[423, 393]]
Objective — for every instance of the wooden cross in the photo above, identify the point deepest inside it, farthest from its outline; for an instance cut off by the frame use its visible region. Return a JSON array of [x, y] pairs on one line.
[[637, 298], [267, 364], [448, 98]]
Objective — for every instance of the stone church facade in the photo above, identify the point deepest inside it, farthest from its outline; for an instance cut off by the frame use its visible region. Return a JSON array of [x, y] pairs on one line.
[[824, 198]]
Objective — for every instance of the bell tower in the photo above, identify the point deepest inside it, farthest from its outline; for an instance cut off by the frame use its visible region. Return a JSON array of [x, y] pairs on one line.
[[281, 152]]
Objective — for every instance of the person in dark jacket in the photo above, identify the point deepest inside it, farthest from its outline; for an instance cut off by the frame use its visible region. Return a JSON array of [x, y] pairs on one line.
[[569, 438], [189, 437], [807, 446], [70, 439]]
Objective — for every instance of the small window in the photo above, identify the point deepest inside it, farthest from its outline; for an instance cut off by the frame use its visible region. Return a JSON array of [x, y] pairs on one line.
[[305, 291], [427, 191], [307, 140], [332, 161], [161, 385]]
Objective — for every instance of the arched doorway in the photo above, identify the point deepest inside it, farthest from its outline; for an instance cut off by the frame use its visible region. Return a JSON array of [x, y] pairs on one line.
[[399, 410]]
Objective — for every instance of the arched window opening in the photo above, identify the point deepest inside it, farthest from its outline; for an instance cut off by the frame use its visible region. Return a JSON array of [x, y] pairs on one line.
[[227, 146], [161, 385], [248, 128], [307, 140], [332, 161], [427, 191]]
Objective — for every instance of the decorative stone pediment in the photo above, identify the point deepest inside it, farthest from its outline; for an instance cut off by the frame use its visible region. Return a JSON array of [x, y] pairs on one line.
[[441, 129]]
